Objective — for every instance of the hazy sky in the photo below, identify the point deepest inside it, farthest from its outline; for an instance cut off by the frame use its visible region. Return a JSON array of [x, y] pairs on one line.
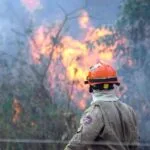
[[15, 14], [105, 10]]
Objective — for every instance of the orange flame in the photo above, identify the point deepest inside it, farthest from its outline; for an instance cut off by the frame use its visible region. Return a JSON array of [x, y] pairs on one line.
[[84, 20], [31, 5], [74, 55], [95, 34], [17, 110], [82, 103]]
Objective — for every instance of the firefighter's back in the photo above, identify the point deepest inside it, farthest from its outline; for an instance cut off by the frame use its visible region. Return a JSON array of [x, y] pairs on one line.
[[120, 129]]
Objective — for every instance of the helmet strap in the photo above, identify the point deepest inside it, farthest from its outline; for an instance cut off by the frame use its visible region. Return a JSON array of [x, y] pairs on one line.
[[90, 89]]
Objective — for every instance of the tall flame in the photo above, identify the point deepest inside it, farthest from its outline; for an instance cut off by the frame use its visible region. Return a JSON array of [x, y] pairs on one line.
[[84, 20], [75, 56], [17, 110], [42, 42]]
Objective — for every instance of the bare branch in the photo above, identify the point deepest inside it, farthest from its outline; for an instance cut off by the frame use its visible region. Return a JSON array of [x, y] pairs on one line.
[[56, 40], [73, 17], [18, 33], [79, 9], [22, 62], [61, 27], [62, 9], [86, 4], [75, 11]]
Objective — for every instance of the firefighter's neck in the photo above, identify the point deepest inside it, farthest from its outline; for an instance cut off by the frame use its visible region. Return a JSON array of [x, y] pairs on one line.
[[104, 96]]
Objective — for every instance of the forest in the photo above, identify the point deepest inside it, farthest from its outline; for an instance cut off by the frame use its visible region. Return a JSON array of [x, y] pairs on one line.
[[42, 90]]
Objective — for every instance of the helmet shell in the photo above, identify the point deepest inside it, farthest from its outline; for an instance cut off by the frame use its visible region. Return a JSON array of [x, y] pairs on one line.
[[101, 73]]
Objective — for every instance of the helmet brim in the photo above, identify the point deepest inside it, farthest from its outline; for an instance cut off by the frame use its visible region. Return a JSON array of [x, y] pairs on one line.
[[102, 81]]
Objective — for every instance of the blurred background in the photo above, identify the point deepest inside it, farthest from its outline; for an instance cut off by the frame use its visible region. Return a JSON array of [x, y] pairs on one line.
[[46, 49]]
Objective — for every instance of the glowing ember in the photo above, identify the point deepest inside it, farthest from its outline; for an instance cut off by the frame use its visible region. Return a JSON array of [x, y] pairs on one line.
[[41, 43], [84, 20], [31, 5], [17, 110]]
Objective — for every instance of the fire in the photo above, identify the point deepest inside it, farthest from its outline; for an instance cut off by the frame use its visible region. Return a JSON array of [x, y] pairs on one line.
[[41, 43], [84, 20], [75, 56], [31, 5], [106, 56], [72, 55], [17, 110]]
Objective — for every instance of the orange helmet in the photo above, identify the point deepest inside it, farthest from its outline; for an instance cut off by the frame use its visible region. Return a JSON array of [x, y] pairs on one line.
[[102, 73]]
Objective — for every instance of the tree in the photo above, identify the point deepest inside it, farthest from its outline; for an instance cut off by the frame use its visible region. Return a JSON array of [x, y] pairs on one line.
[[25, 96], [134, 25]]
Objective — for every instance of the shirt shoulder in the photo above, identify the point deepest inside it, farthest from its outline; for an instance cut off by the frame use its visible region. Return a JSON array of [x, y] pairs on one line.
[[92, 112], [92, 109]]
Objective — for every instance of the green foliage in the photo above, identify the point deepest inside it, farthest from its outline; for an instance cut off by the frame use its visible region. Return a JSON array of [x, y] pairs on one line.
[[7, 106], [134, 25], [136, 9], [134, 18], [49, 123]]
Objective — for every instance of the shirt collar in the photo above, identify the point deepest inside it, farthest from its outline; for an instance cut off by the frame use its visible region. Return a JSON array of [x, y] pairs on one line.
[[104, 96]]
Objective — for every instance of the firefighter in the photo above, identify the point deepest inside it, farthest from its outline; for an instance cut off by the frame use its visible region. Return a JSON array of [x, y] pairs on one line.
[[108, 124]]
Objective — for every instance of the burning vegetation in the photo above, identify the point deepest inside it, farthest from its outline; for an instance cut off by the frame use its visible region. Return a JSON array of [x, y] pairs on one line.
[[49, 70], [75, 56]]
